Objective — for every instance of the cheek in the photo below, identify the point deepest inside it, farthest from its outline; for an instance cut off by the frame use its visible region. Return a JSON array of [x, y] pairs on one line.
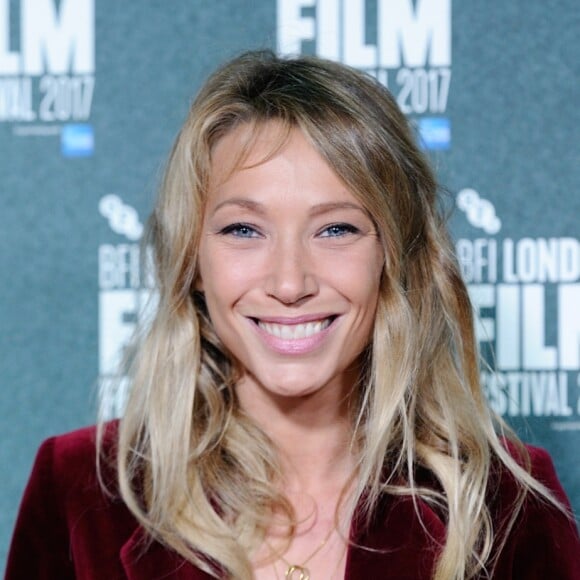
[[224, 283], [220, 314], [365, 286], [220, 274], [361, 279]]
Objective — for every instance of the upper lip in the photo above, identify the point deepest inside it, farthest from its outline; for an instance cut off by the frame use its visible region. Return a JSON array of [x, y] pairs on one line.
[[303, 319]]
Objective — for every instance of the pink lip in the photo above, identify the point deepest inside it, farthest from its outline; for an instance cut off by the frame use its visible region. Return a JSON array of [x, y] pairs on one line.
[[294, 346]]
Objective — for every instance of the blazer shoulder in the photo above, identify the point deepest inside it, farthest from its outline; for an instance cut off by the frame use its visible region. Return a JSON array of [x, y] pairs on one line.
[[543, 542], [65, 508], [74, 454], [542, 468], [76, 444]]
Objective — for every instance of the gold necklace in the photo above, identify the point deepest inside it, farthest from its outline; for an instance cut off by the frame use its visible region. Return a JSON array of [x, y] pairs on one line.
[[300, 571]]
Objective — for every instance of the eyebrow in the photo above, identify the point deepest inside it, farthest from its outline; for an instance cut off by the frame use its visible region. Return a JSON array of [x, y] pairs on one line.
[[322, 208], [318, 209], [243, 203]]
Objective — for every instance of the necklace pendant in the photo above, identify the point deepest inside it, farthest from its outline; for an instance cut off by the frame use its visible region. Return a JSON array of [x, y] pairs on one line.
[[297, 573]]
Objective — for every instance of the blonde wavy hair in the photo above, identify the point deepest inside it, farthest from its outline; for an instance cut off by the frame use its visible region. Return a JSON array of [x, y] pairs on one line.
[[193, 468]]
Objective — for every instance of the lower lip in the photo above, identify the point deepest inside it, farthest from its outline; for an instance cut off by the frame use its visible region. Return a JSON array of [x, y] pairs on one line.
[[294, 346]]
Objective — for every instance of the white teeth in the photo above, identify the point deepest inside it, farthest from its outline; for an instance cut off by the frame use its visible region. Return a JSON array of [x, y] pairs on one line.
[[294, 331]]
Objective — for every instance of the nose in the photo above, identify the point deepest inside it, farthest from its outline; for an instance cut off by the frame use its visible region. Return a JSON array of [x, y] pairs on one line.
[[291, 277]]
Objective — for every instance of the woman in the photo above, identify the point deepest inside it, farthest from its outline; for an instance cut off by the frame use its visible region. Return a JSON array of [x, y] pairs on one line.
[[306, 401]]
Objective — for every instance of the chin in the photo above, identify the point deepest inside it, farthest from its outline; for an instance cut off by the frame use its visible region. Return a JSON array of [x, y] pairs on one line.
[[298, 387], [295, 391], [297, 384]]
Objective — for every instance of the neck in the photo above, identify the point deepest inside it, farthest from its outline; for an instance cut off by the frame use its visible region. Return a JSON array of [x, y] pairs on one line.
[[314, 459], [312, 435]]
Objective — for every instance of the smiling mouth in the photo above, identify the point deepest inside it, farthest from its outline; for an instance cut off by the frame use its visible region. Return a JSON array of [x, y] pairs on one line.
[[295, 331]]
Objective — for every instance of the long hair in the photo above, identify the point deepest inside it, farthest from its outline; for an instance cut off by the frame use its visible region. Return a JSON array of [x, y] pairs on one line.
[[193, 468]]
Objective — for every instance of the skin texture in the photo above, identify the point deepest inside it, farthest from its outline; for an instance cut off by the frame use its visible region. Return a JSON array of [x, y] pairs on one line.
[[303, 250], [290, 266]]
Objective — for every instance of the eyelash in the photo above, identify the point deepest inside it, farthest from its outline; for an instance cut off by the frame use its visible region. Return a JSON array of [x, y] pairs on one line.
[[239, 230], [344, 229], [242, 230]]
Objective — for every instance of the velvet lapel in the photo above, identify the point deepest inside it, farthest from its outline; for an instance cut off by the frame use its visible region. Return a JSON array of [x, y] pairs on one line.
[[152, 561], [413, 543], [412, 548]]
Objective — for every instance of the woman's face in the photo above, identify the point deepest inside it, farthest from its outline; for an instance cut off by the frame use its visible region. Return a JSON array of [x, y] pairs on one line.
[[290, 264]]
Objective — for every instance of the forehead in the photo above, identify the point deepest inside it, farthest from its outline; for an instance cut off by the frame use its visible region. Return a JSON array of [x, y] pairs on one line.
[[247, 145], [272, 158]]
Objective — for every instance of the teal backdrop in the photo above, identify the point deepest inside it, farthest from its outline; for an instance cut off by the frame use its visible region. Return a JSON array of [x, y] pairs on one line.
[[92, 93]]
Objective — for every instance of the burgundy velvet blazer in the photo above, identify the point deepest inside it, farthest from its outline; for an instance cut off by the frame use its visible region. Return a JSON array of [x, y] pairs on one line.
[[68, 528]]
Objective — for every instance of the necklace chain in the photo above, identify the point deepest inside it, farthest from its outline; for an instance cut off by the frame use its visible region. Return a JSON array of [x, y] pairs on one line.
[[300, 571]]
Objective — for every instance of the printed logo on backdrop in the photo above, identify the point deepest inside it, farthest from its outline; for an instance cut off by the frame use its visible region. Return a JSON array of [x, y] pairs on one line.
[[405, 44], [526, 293], [125, 298], [47, 70]]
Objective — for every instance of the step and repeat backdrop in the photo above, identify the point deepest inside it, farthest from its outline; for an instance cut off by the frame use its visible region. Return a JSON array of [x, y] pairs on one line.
[[92, 93]]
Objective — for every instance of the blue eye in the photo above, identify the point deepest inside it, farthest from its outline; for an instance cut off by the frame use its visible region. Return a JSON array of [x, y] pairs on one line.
[[239, 231], [338, 230]]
